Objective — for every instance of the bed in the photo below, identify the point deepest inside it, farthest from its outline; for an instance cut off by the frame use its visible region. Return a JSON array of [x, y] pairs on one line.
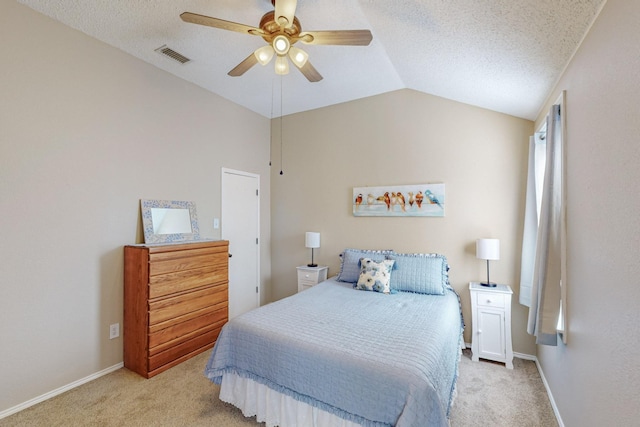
[[335, 355]]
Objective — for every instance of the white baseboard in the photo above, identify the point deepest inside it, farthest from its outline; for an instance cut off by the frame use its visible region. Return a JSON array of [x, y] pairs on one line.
[[533, 358], [58, 391], [553, 402], [524, 356], [518, 355]]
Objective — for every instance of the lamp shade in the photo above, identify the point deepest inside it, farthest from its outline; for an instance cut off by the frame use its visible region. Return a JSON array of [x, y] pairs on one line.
[[298, 56], [264, 54], [282, 65], [312, 239], [488, 249]]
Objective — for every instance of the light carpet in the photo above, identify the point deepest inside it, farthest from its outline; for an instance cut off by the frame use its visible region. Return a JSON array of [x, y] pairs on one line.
[[488, 395]]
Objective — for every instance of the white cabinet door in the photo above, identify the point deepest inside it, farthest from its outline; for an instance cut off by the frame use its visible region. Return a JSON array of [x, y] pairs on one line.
[[491, 338]]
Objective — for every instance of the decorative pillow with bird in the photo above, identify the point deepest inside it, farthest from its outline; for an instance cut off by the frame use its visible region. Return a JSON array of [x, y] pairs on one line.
[[375, 276]]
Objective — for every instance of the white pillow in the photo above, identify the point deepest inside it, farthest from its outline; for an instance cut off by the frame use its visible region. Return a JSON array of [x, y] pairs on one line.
[[375, 276]]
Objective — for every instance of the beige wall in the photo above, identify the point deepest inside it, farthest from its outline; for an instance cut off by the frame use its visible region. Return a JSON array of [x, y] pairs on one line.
[[403, 137], [85, 132], [594, 378]]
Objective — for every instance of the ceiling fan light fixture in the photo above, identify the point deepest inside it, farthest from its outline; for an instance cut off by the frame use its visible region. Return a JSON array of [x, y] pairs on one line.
[[281, 29], [264, 54], [298, 56], [281, 45], [282, 65]]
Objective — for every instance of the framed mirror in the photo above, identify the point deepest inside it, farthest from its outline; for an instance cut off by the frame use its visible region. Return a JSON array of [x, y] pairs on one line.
[[167, 221]]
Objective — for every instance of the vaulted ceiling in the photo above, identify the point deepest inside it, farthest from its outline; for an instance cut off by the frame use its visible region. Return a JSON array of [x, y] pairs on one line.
[[503, 55]]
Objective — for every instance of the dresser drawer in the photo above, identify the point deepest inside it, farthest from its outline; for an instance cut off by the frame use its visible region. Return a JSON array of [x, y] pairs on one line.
[[181, 281], [174, 307], [308, 277], [490, 299], [307, 282], [169, 262], [207, 339], [207, 319]]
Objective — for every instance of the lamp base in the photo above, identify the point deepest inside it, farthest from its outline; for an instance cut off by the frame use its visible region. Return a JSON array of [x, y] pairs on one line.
[[488, 285], [315, 265]]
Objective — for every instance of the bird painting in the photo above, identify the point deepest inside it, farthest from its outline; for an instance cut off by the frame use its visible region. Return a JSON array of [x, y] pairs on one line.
[[394, 199], [358, 200], [387, 200], [399, 200], [432, 198]]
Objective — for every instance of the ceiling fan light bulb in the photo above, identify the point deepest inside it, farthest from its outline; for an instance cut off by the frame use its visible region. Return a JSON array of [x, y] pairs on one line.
[[298, 56], [264, 54], [281, 45], [282, 65]]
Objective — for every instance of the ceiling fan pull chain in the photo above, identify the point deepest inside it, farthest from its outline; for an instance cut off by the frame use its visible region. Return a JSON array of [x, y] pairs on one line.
[[281, 136], [271, 121]]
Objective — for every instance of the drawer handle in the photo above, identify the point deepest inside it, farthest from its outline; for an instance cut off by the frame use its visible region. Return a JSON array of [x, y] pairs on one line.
[[489, 301], [306, 275]]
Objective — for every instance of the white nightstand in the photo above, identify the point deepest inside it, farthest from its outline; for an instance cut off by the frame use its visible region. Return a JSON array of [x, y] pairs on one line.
[[309, 276], [491, 323]]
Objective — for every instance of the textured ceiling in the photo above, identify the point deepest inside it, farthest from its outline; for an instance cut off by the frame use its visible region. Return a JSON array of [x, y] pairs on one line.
[[504, 55]]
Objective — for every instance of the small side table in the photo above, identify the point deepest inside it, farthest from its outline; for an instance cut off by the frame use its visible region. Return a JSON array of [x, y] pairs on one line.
[[491, 323], [310, 276]]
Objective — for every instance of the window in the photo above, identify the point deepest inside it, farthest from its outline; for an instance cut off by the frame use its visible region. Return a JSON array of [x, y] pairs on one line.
[[543, 275]]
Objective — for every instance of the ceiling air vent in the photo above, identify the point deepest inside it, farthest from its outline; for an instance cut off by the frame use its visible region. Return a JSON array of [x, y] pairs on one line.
[[172, 54]]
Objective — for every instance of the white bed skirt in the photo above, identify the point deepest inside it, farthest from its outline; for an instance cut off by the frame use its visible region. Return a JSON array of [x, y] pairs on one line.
[[274, 408]]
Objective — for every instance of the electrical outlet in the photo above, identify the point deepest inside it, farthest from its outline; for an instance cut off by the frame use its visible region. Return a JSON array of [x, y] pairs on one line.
[[114, 331]]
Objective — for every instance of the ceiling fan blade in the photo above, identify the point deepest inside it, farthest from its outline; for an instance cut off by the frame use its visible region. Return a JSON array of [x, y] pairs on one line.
[[244, 66], [194, 18], [309, 72], [339, 37], [285, 9]]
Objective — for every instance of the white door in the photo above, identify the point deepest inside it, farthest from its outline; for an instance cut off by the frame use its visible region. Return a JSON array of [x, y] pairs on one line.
[[241, 227]]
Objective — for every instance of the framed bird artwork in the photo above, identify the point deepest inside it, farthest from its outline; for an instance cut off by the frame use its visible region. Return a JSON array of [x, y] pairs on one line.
[[399, 200]]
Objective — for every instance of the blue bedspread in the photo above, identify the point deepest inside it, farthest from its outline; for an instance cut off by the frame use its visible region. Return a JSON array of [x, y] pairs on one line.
[[376, 359]]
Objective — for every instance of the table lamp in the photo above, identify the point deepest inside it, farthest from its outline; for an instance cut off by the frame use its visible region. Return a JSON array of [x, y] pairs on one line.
[[312, 240], [488, 249]]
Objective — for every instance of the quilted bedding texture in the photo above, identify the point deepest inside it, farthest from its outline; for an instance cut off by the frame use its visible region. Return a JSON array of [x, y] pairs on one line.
[[371, 358]]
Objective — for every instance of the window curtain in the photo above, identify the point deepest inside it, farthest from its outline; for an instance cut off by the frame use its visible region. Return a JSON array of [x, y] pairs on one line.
[[535, 179], [548, 267]]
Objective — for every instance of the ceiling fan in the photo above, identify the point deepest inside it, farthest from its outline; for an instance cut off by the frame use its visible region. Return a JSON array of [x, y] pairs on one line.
[[281, 29]]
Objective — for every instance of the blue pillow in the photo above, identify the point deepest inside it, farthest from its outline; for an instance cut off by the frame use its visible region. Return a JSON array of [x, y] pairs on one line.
[[350, 267], [420, 273]]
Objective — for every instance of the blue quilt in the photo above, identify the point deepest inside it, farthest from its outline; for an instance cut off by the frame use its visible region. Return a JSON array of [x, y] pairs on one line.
[[371, 358]]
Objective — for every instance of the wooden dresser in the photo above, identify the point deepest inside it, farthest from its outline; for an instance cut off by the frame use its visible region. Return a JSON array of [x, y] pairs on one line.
[[175, 302]]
